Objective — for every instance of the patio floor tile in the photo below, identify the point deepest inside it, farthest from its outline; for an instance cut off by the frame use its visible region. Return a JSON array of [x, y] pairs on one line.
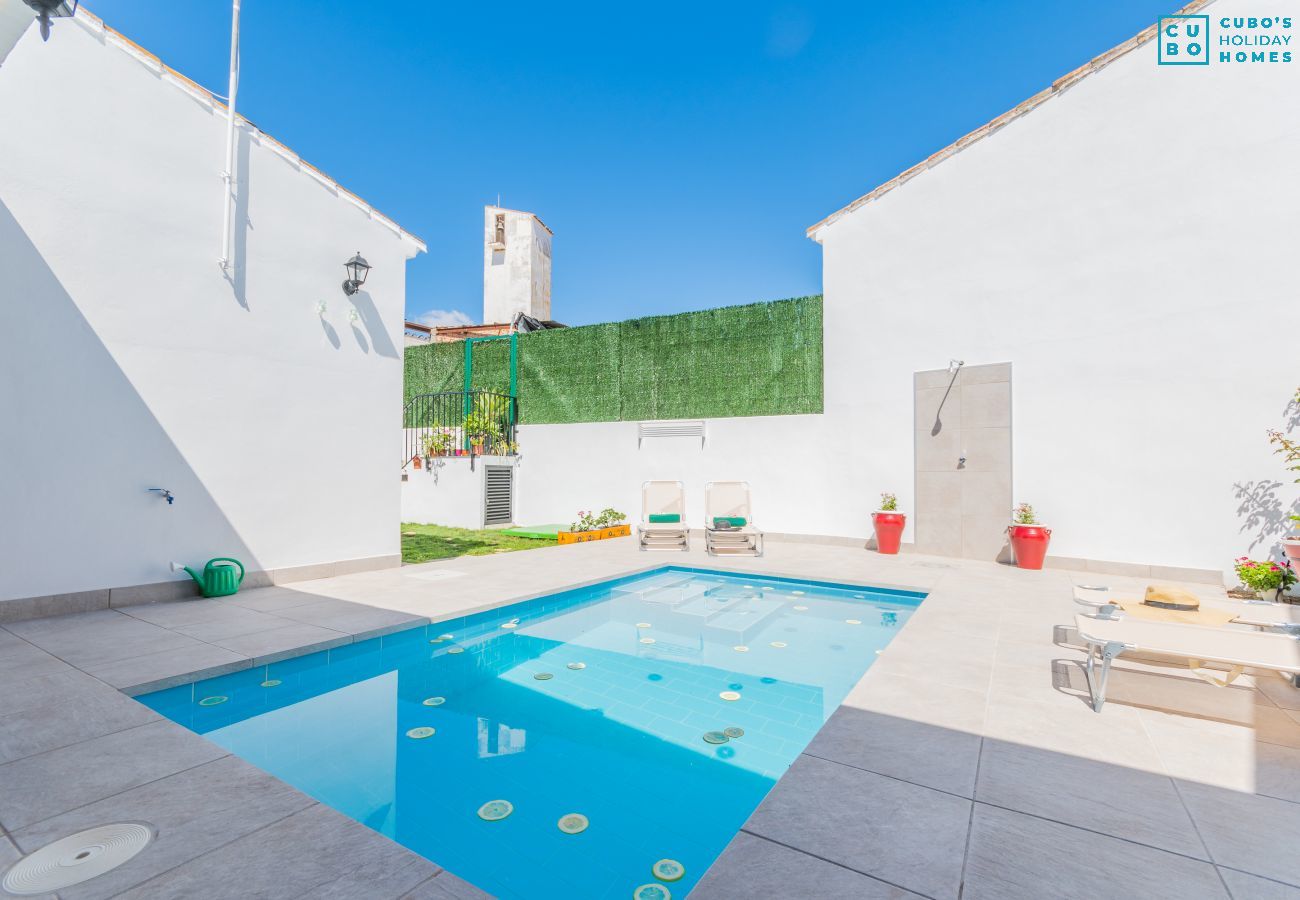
[[296, 638], [52, 711], [20, 660], [1252, 887], [1013, 856], [50, 783], [346, 617], [1139, 806], [941, 758], [754, 867], [1245, 831], [170, 667], [907, 835], [446, 886], [194, 812], [316, 852], [96, 638]]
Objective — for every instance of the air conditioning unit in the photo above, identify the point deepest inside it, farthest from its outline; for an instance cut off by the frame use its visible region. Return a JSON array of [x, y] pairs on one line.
[[669, 429]]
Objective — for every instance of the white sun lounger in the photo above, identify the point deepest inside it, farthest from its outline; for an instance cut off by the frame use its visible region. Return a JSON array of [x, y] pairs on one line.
[[730, 499], [1237, 648], [1278, 617], [663, 498]]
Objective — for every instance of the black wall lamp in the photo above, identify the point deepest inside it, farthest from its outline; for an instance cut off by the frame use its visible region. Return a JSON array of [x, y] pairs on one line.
[[47, 9], [357, 269]]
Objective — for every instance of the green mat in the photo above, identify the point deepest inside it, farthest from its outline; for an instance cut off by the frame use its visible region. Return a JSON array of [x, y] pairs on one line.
[[539, 532]]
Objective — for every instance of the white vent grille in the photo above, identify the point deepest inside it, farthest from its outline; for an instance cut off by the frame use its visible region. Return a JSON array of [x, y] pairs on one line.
[[498, 495], [669, 429]]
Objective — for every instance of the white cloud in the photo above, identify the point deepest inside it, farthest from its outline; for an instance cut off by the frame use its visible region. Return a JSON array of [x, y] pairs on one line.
[[438, 317]]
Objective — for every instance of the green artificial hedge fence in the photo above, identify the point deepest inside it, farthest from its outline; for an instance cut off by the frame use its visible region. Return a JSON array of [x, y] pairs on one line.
[[762, 359]]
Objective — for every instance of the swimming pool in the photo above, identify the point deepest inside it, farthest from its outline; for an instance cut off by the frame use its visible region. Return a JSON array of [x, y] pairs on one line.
[[659, 708]]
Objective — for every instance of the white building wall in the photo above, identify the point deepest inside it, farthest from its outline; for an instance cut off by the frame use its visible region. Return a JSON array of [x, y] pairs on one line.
[[1129, 246], [132, 361], [516, 279], [787, 460]]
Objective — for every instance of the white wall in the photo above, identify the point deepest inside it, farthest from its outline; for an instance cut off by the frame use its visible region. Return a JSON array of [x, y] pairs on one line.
[[131, 361], [448, 492], [518, 278], [785, 459], [1130, 247]]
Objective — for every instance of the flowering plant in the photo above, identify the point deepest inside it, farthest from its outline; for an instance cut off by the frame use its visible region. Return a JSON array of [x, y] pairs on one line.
[[1263, 575], [888, 503], [587, 521], [1023, 514]]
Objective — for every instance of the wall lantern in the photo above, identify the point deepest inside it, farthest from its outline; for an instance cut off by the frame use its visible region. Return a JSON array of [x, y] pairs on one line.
[[47, 9], [357, 269]]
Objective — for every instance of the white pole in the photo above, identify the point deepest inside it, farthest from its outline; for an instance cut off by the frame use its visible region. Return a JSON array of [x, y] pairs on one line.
[[228, 175]]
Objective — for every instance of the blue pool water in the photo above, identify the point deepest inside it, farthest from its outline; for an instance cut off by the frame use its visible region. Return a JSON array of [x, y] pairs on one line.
[[619, 740]]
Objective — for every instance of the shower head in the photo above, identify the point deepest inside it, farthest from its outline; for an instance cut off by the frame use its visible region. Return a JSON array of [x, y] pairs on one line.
[[955, 364]]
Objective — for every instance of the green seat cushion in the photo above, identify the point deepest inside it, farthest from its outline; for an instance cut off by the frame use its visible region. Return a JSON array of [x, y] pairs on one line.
[[662, 518], [738, 521]]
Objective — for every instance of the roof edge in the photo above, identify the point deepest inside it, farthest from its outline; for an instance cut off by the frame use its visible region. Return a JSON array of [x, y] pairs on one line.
[[1064, 82], [96, 26]]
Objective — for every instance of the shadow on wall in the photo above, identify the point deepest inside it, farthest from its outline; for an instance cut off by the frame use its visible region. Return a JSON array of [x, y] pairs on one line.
[[240, 223], [1266, 520], [374, 325], [81, 451]]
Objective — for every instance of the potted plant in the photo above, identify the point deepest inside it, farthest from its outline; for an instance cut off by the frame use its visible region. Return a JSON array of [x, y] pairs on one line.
[[888, 523], [1265, 577], [437, 443], [1029, 537], [591, 527], [482, 429]]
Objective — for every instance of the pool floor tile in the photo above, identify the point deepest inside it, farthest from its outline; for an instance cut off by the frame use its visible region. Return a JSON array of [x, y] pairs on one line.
[[907, 835]]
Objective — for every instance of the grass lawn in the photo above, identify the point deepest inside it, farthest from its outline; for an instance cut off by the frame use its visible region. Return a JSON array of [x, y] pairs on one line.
[[424, 543]]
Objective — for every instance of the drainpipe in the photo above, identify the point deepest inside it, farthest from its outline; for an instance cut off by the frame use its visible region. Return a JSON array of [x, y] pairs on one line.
[[228, 174]]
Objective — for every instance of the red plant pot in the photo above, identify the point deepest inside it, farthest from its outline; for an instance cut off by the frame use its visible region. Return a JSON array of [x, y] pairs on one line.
[[1291, 547], [1029, 544], [889, 530]]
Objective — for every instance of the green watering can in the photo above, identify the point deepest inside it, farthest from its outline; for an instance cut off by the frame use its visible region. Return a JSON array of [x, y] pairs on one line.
[[218, 578]]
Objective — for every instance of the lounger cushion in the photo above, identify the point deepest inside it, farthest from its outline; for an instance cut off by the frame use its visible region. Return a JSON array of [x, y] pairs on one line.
[[659, 518], [738, 521], [667, 528]]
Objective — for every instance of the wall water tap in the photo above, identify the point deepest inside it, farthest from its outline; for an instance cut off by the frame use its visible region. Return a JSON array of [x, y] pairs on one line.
[[166, 494]]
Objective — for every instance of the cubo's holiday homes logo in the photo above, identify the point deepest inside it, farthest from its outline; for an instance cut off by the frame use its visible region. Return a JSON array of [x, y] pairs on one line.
[[1187, 40], [1184, 41]]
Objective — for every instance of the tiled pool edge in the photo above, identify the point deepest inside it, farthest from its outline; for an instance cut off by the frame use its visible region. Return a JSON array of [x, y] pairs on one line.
[[145, 687]]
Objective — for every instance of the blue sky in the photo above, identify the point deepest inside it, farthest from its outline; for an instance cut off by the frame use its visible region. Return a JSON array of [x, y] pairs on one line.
[[677, 150]]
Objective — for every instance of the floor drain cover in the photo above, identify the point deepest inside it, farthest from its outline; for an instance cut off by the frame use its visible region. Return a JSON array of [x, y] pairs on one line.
[[76, 858]]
